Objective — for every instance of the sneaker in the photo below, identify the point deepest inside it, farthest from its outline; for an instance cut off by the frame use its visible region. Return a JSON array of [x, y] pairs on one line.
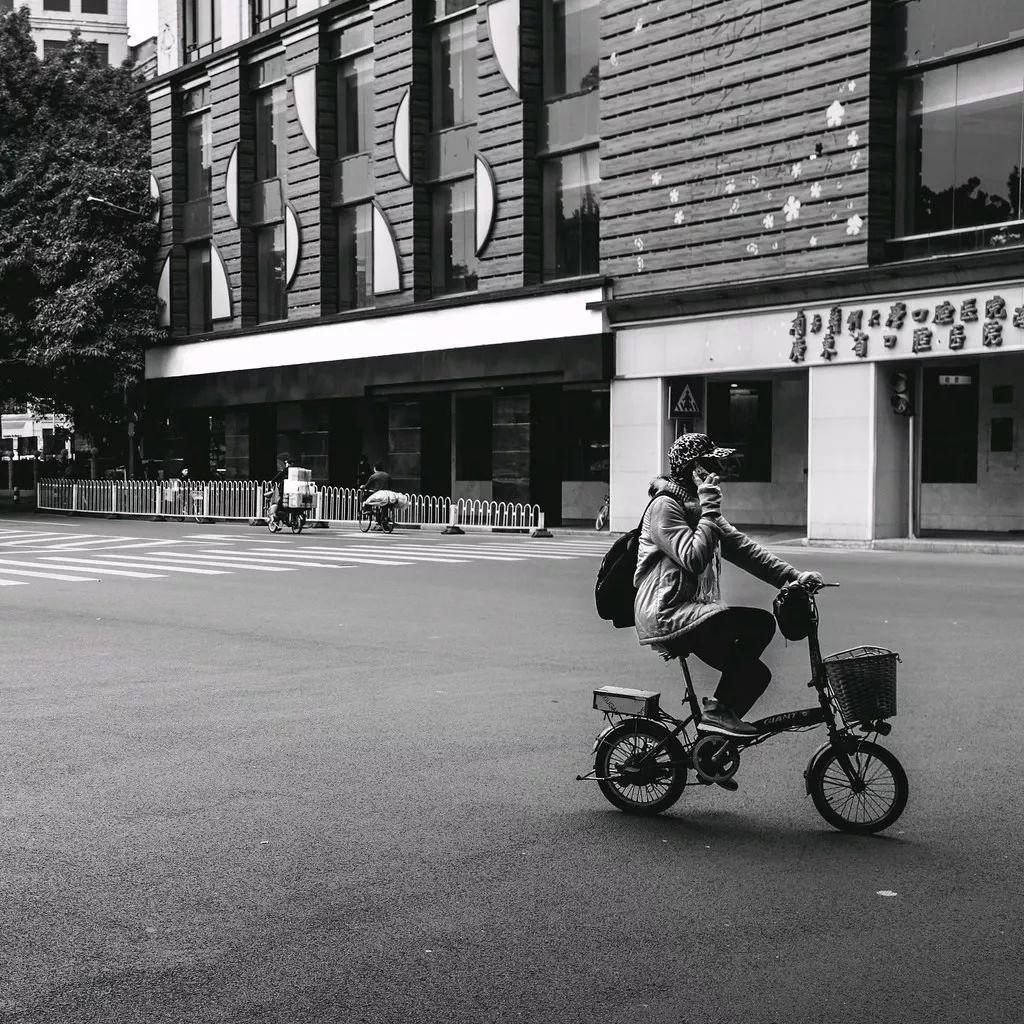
[[730, 784], [717, 718]]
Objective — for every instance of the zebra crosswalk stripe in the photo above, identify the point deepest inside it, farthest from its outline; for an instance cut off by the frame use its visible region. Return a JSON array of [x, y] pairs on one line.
[[124, 563], [226, 563], [4, 562], [12, 583], [40, 575], [35, 538], [296, 557]]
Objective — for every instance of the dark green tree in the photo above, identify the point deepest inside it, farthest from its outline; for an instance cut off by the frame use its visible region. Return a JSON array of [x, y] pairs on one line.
[[78, 304]]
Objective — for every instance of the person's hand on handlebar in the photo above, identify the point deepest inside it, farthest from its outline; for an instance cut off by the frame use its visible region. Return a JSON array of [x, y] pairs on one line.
[[811, 580]]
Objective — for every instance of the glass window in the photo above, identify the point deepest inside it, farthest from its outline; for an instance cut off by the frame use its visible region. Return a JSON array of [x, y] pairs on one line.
[[949, 422], [94, 6], [198, 156], [586, 433], [51, 47], [271, 298], [572, 44], [202, 27], [925, 29], [473, 438], [56, 5], [355, 105], [739, 415], [352, 39], [268, 13], [102, 51], [6, 6], [571, 215], [355, 257], [271, 125], [453, 73], [453, 242], [963, 132], [200, 305]]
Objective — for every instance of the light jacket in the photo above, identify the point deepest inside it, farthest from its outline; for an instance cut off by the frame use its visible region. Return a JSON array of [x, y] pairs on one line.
[[678, 565]]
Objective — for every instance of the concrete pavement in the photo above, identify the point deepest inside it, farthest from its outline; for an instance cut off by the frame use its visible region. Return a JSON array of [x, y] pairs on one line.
[[349, 796]]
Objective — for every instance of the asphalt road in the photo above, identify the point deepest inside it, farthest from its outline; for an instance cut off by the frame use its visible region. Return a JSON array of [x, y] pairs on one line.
[[347, 794]]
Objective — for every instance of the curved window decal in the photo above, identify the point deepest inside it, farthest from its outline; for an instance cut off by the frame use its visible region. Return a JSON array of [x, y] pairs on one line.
[[503, 26], [304, 88], [220, 288], [231, 185], [163, 292], [400, 138], [154, 193], [292, 244], [387, 276], [486, 204]]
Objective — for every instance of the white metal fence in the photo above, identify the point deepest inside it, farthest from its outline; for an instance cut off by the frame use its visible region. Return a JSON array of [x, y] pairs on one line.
[[245, 500]]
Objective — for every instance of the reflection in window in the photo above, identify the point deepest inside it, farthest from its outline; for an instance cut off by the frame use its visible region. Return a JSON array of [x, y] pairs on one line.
[[198, 156], [202, 28], [453, 241], [586, 416], [572, 42], [571, 215], [94, 6], [739, 415], [355, 105], [271, 297], [960, 149], [453, 73], [271, 123], [925, 29], [355, 257], [200, 305]]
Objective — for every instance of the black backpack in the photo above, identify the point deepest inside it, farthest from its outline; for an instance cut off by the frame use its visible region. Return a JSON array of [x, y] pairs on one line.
[[614, 592]]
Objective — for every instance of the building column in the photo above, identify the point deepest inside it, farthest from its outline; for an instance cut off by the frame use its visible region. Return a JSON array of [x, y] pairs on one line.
[[638, 444], [858, 472]]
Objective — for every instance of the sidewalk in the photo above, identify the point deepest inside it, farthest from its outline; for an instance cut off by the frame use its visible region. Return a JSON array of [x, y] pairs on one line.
[[942, 543]]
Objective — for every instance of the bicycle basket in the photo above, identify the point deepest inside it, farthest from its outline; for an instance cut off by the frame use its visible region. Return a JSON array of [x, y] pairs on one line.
[[863, 680]]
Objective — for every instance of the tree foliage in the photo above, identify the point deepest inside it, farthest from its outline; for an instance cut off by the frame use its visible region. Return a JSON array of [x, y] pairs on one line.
[[77, 301]]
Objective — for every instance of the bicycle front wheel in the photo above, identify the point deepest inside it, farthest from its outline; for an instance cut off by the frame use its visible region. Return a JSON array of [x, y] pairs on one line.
[[872, 801], [365, 519], [634, 782]]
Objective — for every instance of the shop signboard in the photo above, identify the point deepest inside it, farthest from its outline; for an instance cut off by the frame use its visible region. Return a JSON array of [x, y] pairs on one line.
[[686, 398]]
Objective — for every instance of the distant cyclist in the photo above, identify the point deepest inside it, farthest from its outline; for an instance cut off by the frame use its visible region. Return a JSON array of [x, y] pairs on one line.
[[378, 480], [278, 482]]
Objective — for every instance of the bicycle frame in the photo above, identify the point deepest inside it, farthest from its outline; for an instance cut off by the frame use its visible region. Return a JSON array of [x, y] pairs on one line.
[[768, 727]]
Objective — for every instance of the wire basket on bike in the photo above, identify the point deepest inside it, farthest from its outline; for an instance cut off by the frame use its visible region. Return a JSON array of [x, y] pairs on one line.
[[863, 680]]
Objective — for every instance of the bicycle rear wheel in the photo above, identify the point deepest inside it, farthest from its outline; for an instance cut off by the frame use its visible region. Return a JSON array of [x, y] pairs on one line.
[[636, 785], [387, 521], [872, 802]]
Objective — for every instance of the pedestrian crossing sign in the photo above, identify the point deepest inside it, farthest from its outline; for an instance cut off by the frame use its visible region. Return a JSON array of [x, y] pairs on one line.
[[686, 398]]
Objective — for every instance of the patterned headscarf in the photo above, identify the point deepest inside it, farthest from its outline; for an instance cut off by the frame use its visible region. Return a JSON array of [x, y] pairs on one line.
[[690, 447]]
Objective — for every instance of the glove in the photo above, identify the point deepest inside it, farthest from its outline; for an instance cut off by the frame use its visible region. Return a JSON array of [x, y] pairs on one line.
[[709, 494]]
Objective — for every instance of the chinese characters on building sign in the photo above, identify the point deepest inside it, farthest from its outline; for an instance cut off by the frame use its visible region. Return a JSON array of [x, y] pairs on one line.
[[923, 337]]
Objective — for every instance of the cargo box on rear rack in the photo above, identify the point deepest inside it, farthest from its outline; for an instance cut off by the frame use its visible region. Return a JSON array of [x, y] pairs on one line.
[[621, 700]]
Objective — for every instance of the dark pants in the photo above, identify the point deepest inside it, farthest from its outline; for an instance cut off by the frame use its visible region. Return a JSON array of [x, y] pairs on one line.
[[733, 641]]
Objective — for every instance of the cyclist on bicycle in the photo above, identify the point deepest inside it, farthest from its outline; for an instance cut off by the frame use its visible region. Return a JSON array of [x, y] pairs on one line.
[[278, 481], [679, 609], [378, 480]]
